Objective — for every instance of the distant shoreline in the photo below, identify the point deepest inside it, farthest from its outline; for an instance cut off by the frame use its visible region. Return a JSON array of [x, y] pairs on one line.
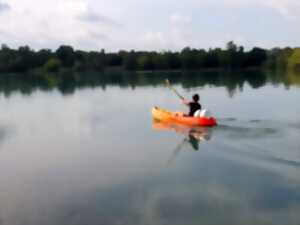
[[65, 58]]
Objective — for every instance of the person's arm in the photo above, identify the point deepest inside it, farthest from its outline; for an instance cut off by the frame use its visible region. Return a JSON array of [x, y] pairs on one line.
[[185, 102]]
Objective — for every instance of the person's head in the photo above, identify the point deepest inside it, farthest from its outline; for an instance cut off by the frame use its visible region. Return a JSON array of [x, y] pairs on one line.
[[196, 97]]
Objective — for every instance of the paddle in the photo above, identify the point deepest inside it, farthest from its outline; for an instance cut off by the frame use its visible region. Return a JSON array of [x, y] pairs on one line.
[[173, 89], [177, 150]]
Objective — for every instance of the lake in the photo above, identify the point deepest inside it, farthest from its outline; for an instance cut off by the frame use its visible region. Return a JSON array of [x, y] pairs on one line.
[[83, 149]]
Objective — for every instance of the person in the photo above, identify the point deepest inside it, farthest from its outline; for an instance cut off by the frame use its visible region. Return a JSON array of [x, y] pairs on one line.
[[194, 105]]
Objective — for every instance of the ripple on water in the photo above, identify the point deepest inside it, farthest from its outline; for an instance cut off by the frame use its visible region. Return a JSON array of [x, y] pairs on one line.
[[247, 132], [255, 121], [5, 132]]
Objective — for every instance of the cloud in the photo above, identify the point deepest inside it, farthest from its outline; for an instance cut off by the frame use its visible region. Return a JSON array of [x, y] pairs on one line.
[[98, 35], [73, 22], [92, 17], [154, 40], [180, 20], [4, 7], [290, 9], [287, 8], [130, 24]]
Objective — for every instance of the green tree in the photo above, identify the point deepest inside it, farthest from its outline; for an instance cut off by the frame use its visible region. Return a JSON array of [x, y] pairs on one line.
[[24, 60], [189, 58], [173, 60], [66, 55], [53, 65], [130, 60], [294, 60], [7, 57], [256, 57], [145, 62]]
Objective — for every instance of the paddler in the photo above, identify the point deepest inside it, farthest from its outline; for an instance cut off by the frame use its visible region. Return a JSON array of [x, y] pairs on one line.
[[194, 105]]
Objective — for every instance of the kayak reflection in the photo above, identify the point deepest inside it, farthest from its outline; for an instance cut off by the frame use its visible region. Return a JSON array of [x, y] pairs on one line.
[[192, 135]]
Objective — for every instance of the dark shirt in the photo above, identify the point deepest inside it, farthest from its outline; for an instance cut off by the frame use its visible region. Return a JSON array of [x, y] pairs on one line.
[[194, 106]]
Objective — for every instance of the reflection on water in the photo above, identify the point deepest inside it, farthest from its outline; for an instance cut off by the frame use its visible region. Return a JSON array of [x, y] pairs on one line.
[[273, 197], [191, 135], [93, 157], [68, 82], [5, 133], [197, 133]]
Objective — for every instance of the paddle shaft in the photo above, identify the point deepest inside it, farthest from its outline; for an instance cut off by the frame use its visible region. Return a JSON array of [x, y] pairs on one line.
[[174, 90]]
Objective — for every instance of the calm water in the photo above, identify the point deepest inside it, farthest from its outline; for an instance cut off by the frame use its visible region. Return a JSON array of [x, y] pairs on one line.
[[85, 151]]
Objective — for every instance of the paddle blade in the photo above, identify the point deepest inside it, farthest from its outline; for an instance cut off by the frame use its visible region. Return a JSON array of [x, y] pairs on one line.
[[168, 82]]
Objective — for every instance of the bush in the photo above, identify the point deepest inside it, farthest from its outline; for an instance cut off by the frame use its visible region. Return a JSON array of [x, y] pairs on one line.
[[294, 60], [52, 65]]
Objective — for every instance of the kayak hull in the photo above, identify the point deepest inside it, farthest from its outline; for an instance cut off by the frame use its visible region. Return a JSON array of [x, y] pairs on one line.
[[172, 117]]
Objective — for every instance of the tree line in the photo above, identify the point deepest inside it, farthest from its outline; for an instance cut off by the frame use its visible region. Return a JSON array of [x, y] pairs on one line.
[[25, 59]]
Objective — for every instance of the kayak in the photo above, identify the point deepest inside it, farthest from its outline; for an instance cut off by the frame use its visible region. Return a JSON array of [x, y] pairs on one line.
[[178, 117]]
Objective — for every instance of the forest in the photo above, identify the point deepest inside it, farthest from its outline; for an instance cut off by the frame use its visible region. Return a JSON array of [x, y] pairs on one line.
[[24, 59]]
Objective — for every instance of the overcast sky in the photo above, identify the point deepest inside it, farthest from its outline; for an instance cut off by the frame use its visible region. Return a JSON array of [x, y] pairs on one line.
[[149, 24]]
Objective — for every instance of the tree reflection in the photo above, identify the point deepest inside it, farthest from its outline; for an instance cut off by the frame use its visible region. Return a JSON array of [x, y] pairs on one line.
[[67, 82]]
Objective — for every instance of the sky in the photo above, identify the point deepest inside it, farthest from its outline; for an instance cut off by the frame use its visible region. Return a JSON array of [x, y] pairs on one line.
[[149, 24]]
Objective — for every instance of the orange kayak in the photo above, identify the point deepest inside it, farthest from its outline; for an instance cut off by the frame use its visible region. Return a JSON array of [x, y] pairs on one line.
[[171, 117]]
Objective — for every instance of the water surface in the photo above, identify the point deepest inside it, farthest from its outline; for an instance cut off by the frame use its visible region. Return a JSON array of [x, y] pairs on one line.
[[83, 150]]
